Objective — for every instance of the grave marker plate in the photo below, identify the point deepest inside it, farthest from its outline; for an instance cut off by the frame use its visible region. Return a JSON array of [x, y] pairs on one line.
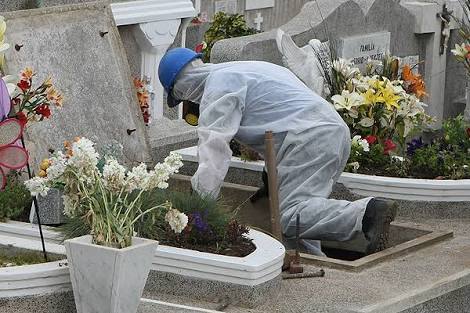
[[360, 48], [90, 70], [227, 6]]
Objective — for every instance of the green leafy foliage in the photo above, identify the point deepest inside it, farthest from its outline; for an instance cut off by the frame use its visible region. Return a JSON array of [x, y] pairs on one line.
[[18, 257], [225, 26], [211, 225], [14, 199], [446, 157]]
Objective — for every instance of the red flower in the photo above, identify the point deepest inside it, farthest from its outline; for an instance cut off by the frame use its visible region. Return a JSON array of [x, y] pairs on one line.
[[146, 116], [199, 48], [389, 145], [371, 139], [23, 85], [468, 132], [43, 110], [20, 116]]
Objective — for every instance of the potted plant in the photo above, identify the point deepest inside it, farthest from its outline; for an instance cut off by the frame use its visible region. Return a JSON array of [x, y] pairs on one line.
[[109, 267]]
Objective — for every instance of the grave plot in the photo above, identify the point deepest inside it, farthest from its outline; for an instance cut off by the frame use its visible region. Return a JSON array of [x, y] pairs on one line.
[[248, 280]]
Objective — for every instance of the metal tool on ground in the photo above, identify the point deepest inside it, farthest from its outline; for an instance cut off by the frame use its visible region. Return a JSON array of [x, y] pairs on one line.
[[273, 186]]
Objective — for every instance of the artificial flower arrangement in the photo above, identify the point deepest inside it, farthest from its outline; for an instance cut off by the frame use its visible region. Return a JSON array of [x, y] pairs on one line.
[[103, 193], [34, 103], [143, 96]]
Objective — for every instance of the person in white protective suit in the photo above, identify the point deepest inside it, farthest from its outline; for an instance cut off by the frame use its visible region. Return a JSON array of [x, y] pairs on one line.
[[243, 100]]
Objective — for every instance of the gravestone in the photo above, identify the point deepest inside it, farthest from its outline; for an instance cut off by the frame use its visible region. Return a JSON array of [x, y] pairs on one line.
[[80, 47], [359, 49]]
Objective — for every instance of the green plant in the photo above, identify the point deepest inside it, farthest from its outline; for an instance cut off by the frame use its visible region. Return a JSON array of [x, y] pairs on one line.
[[225, 26], [211, 226], [14, 199], [108, 197]]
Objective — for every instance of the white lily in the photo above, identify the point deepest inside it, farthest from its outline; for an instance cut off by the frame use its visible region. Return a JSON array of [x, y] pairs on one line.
[[347, 100], [460, 50]]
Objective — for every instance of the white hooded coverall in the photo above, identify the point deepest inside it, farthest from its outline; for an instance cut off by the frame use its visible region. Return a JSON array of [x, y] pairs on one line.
[[244, 100]]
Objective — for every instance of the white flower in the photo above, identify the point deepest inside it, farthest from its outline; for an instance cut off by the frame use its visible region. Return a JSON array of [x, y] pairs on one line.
[[460, 50], [347, 101], [345, 67], [37, 186], [177, 220], [358, 141], [57, 167], [397, 158], [138, 178], [366, 122], [174, 160], [83, 154], [70, 204], [114, 174], [354, 166]]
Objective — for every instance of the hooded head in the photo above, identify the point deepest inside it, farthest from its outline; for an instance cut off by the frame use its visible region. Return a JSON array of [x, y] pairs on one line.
[[171, 66]]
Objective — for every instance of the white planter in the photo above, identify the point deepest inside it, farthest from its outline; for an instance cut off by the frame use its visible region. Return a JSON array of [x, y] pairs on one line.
[[262, 265], [108, 280], [377, 186], [407, 188]]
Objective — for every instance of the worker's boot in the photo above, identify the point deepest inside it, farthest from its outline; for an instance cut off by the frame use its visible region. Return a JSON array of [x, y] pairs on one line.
[[376, 223]]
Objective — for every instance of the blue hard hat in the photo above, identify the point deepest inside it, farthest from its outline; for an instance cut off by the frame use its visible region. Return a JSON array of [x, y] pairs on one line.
[[170, 66]]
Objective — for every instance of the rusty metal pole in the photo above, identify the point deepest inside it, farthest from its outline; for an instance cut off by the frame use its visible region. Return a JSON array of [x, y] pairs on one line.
[[271, 166]]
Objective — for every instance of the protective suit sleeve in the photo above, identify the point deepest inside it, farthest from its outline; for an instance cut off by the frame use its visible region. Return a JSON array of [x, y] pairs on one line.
[[221, 112]]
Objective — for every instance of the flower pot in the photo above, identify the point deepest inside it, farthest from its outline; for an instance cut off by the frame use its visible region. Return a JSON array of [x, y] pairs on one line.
[[108, 280]]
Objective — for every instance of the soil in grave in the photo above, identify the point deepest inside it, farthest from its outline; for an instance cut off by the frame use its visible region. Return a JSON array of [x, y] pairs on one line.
[[344, 255], [240, 249], [13, 257]]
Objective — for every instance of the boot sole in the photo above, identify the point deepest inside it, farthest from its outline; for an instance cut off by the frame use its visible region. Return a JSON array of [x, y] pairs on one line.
[[383, 220]]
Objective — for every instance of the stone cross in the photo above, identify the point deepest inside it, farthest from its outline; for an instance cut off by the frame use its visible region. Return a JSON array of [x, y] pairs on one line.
[[430, 18], [258, 21], [446, 17]]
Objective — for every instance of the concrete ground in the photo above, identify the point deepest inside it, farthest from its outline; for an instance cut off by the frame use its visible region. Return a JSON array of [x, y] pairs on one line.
[[432, 279]]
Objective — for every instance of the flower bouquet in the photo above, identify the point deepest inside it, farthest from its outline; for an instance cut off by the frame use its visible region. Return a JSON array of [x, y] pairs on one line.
[[381, 102], [102, 192]]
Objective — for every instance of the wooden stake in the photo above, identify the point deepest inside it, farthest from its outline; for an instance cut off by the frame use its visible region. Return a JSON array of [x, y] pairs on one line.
[[271, 167]]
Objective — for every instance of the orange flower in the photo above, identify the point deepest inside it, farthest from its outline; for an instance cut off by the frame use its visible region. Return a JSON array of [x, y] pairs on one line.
[[138, 83], [58, 100], [27, 73], [48, 82], [413, 83], [143, 98], [51, 94], [68, 149]]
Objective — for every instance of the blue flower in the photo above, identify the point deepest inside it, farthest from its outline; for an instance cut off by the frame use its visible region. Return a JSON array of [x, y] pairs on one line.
[[199, 222], [414, 145]]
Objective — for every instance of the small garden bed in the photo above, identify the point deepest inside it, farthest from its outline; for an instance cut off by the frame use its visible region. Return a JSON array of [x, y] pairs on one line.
[[11, 256]]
